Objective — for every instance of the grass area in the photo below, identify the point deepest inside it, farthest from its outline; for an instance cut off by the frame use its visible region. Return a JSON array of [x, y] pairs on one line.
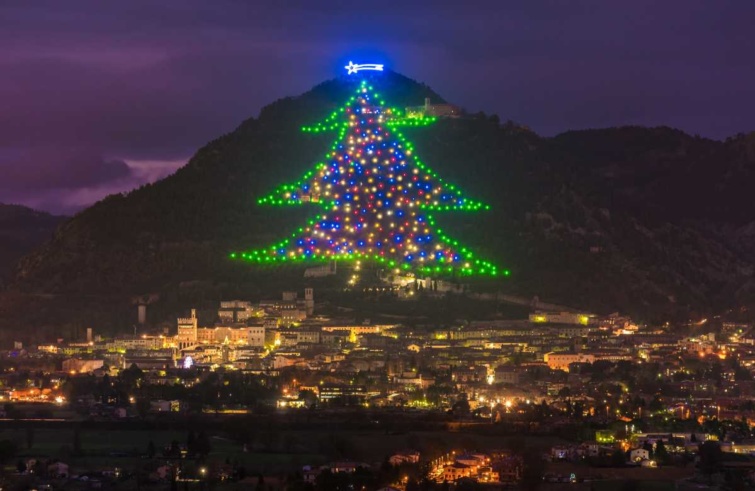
[[612, 478], [279, 451], [270, 451]]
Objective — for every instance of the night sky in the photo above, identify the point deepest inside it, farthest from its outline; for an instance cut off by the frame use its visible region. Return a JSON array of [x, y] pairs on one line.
[[99, 97]]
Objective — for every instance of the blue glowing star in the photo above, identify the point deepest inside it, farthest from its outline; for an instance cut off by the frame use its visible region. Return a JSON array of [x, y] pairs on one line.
[[354, 67]]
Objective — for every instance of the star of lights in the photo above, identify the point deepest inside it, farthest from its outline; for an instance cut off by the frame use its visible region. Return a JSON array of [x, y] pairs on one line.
[[354, 67], [376, 196]]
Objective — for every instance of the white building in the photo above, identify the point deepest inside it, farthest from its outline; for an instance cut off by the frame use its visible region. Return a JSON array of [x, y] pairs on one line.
[[639, 454], [321, 271], [434, 110]]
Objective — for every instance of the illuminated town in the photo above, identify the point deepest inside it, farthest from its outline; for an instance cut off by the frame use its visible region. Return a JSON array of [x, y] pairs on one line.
[[615, 391], [329, 246]]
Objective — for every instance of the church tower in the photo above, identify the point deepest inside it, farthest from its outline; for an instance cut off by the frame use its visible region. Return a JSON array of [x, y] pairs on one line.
[[309, 300]]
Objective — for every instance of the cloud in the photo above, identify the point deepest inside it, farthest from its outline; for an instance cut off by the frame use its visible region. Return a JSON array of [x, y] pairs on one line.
[[62, 168], [66, 180], [140, 81]]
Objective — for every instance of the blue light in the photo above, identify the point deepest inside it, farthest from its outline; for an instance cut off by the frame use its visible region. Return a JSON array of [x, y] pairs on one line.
[[352, 67]]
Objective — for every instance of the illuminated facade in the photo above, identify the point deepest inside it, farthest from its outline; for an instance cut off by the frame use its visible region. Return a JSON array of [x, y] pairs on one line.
[[560, 318], [187, 330], [561, 361]]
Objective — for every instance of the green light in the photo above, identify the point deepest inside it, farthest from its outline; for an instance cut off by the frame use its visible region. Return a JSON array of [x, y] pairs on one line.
[[367, 181]]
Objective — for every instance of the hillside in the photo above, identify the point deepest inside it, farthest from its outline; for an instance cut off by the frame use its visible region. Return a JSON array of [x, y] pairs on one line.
[[21, 230], [650, 221]]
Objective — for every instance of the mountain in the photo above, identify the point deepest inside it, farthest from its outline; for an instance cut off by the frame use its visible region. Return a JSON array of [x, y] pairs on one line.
[[649, 221], [21, 230]]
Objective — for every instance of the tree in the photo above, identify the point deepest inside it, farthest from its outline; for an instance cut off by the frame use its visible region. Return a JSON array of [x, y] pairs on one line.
[[468, 485], [191, 443], [309, 397], [412, 485], [77, 450], [710, 457], [534, 467], [578, 409], [29, 437], [649, 447], [203, 446], [655, 405], [618, 459], [174, 451], [143, 406], [461, 407], [131, 377], [661, 454], [376, 195]]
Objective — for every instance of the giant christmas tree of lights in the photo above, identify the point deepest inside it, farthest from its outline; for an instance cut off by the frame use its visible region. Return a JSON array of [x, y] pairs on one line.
[[377, 197]]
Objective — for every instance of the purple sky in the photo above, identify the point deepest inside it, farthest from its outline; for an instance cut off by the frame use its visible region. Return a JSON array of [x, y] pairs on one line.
[[99, 97]]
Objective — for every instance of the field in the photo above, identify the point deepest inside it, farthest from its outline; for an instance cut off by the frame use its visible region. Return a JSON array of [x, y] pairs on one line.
[[281, 451], [609, 478], [271, 451]]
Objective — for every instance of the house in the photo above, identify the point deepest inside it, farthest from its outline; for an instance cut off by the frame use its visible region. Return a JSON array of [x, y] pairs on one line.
[[509, 469], [456, 471], [345, 466], [639, 454], [404, 456], [30, 464], [506, 374], [487, 474], [472, 460], [560, 453], [164, 472], [309, 474], [58, 470], [589, 449]]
